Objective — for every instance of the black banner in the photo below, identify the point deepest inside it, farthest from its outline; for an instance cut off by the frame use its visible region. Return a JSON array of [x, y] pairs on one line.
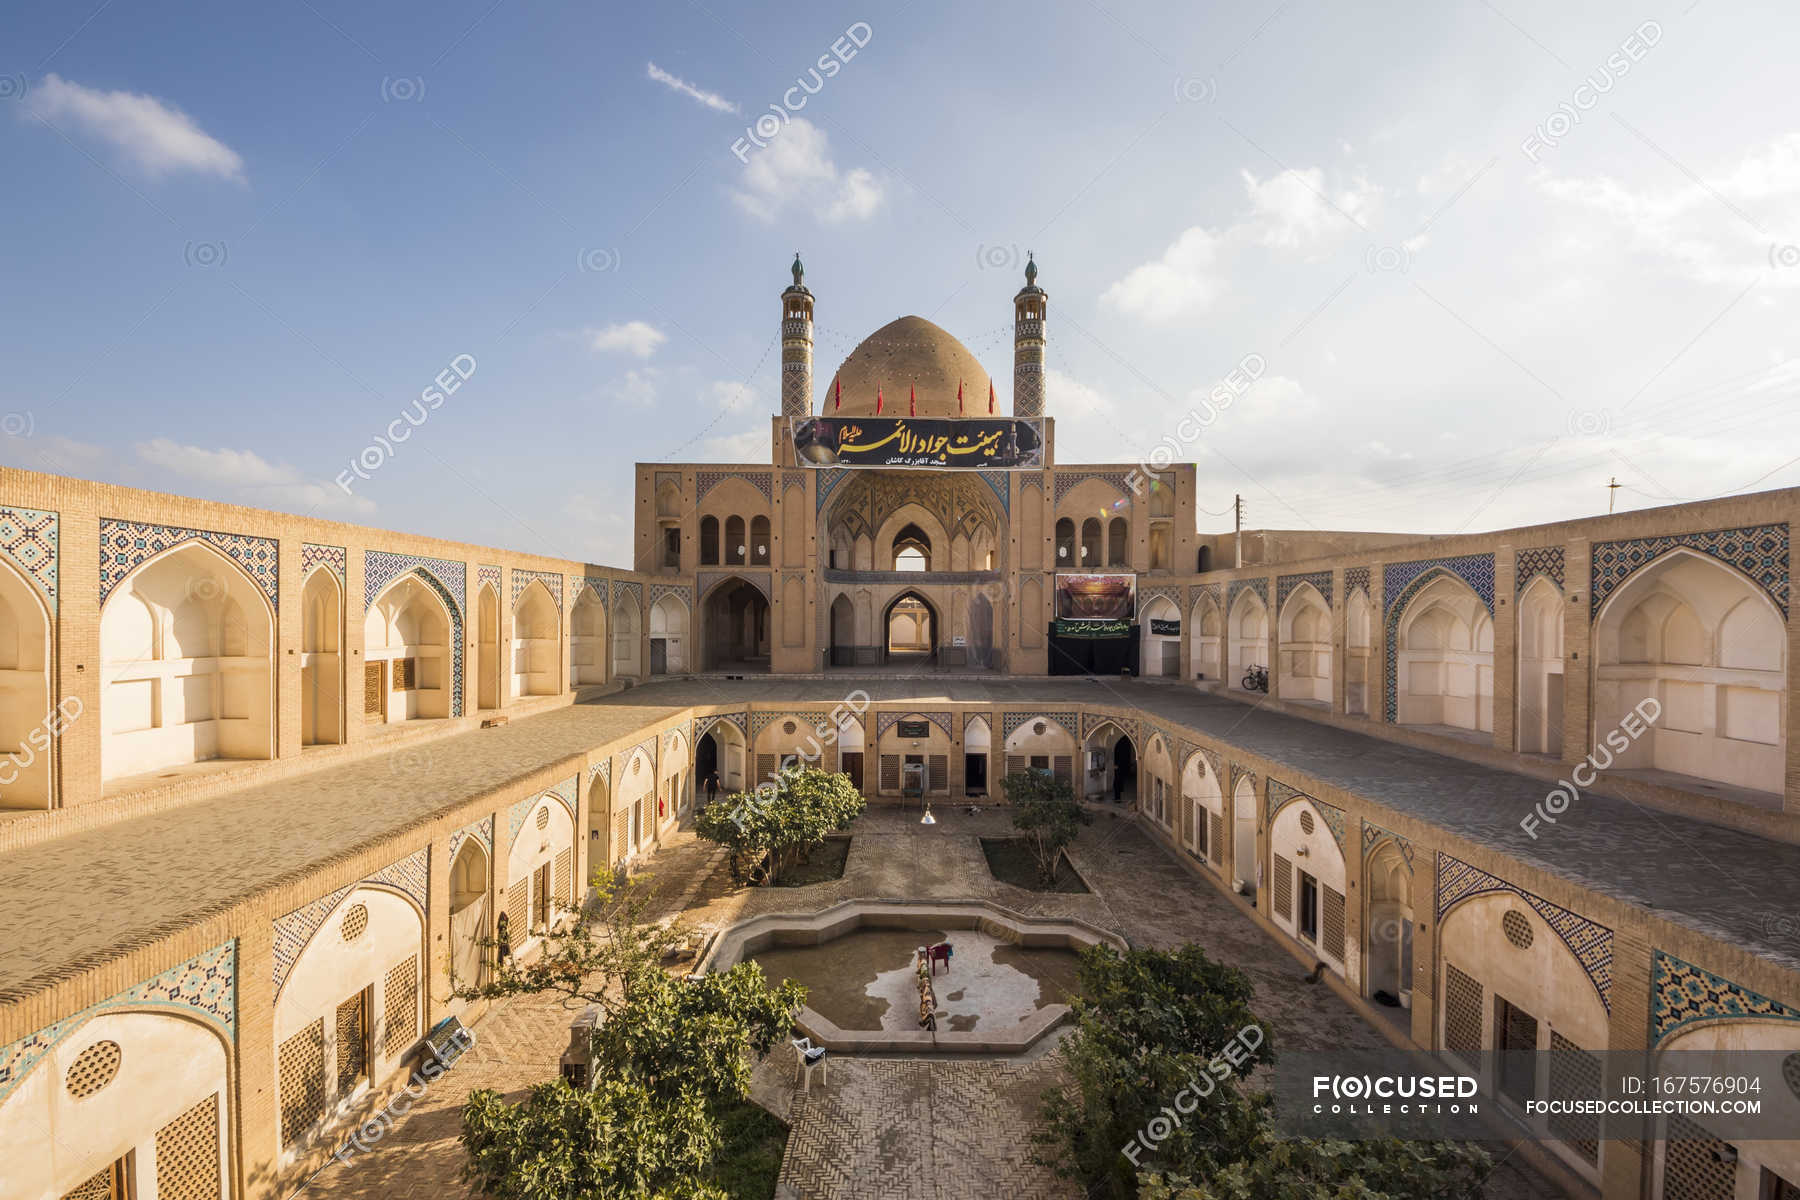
[[1091, 629], [913, 729], [1161, 628], [984, 443]]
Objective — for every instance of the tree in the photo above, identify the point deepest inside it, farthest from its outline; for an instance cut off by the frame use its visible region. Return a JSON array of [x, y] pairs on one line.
[[1045, 811], [669, 1056], [783, 819], [1163, 1032]]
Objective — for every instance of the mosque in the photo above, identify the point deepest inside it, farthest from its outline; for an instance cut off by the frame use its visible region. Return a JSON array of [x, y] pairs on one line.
[[267, 781]]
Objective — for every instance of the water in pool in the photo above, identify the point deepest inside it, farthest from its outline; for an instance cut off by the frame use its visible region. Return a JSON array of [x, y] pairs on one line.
[[865, 979]]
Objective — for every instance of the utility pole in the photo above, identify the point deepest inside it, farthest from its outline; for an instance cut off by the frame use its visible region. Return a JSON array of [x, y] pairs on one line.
[[1612, 491], [1237, 512]]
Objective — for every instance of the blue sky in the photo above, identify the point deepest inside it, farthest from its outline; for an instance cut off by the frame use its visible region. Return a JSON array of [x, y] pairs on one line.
[[1489, 254]]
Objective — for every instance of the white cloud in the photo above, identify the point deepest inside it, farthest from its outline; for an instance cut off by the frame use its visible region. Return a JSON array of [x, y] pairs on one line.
[[796, 168], [1288, 211], [636, 388], [638, 338], [675, 83], [732, 396], [1706, 227], [159, 138], [1185, 280], [248, 476]]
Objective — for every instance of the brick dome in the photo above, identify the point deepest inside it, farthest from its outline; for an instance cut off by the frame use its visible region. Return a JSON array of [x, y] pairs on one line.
[[909, 352]]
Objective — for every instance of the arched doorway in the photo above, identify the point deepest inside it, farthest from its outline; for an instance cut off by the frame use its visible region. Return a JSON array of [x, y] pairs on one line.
[[843, 632], [1160, 653], [487, 658], [1390, 926], [406, 654], [912, 549], [668, 637], [981, 631], [736, 617], [1111, 766], [911, 630], [468, 913]]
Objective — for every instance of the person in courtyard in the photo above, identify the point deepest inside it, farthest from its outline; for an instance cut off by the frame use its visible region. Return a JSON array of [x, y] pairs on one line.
[[712, 787], [1118, 787], [503, 941]]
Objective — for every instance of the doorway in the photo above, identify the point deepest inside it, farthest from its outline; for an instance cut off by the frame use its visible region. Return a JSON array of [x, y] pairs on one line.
[[911, 626], [975, 773]]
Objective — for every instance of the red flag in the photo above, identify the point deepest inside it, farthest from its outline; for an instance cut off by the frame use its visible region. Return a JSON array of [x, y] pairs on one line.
[[912, 402], [878, 400], [959, 403], [990, 397], [838, 403]]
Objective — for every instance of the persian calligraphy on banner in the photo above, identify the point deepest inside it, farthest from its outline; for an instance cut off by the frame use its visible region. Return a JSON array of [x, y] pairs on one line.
[[988, 444]]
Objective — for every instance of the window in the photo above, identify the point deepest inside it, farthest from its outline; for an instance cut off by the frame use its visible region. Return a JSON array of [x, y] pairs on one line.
[[1117, 533], [301, 1067], [709, 541], [1517, 1032], [540, 897], [108, 1184], [1306, 921], [187, 1154], [1065, 543], [352, 1042], [1040, 762], [400, 1007], [759, 541], [672, 546]]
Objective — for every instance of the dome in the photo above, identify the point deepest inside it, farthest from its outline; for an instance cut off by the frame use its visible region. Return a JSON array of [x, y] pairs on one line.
[[910, 352]]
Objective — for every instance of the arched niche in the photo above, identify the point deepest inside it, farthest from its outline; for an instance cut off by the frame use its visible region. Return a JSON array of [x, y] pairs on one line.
[[1109, 765], [1540, 699], [1160, 653], [1444, 658], [1249, 636], [487, 639], [1308, 886], [628, 637], [668, 625], [1305, 641], [406, 653], [26, 719], [1205, 798], [1206, 638], [1358, 652], [1388, 930], [587, 638], [321, 659], [540, 872], [537, 641], [471, 882], [187, 649]]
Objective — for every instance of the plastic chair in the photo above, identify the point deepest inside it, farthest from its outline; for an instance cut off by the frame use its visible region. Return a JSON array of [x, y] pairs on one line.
[[809, 1056]]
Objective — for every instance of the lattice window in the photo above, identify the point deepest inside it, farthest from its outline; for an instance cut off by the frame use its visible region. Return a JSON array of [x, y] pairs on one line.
[[1462, 1015], [1516, 928], [1063, 767], [621, 834], [1199, 832], [1284, 889], [1574, 1075], [938, 767], [372, 690], [565, 871], [543, 818], [1218, 837], [406, 674], [890, 772], [1694, 1166], [352, 1041], [1306, 823], [356, 919], [400, 1007], [187, 1154], [518, 905], [765, 767], [1015, 764], [107, 1185], [1332, 939], [302, 1069], [93, 1069]]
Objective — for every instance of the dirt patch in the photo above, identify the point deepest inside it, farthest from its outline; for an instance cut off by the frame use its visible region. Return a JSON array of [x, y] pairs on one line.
[[824, 864], [1010, 861]]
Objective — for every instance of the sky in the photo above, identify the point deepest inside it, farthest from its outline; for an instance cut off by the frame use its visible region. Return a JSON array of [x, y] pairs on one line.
[[1436, 267]]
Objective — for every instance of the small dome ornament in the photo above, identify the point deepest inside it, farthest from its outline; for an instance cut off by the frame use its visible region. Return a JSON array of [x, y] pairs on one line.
[[1030, 270], [798, 269]]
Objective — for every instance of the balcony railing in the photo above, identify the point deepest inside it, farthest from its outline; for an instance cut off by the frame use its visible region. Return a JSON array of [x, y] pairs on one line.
[[834, 575]]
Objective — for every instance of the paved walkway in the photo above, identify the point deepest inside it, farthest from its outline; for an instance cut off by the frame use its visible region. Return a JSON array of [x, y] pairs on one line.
[[916, 1128]]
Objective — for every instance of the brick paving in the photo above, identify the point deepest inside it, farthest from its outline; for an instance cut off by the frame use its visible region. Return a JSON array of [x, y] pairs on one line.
[[917, 1128]]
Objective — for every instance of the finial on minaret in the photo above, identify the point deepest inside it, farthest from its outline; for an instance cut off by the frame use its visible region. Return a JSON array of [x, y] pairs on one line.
[[796, 346], [1030, 269]]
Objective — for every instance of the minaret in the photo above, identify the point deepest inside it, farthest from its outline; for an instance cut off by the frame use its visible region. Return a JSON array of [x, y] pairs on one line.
[[796, 346], [1029, 307]]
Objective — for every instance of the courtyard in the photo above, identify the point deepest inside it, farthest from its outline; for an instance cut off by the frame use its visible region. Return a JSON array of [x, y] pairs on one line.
[[919, 1127]]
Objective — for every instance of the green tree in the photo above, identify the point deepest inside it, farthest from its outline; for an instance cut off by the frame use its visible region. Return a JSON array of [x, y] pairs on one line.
[[783, 819], [1045, 811], [670, 1056]]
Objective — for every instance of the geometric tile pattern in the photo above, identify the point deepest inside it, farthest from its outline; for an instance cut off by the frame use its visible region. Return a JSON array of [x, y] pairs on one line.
[[599, 583], [410, 877], [125, 544], [1093, 721], [1400, 583], [550, 579], [28, 540], [1356, 577], [635, 589], [706, 481], [448, 579], [741, 720], [1544, 560], [482, 831], [1166, 593], [1284, 584], [204, 986], [1012, 721], [997, 481], [828, 478], [1259, 585], [1761, 552], [762, 720], [706, 580], [1067, 481], [1374, 833], [491, 575], [680, 591], [1682, 994], [1238, 774], [888, 720], [1278, 795], [565, 792], [1589, 941], [332, 558]]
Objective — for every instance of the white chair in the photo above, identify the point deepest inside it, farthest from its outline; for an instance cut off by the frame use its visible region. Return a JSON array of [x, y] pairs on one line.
[[809, 1056]]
